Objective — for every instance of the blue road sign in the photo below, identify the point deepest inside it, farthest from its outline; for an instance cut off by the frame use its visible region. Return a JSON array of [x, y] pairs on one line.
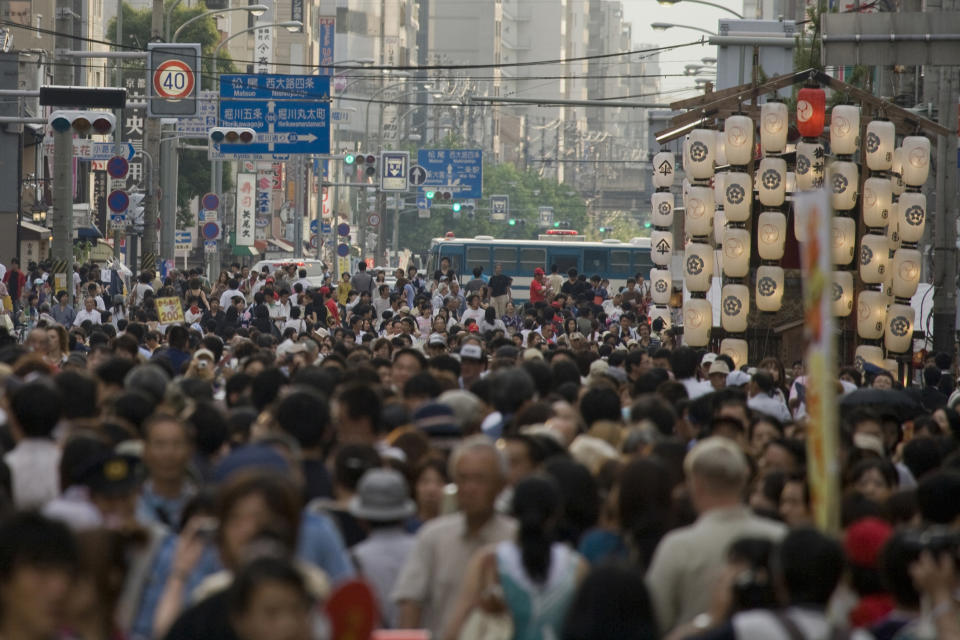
[[418, 175], [282, 126], [458, 170], [117, 167], [343, 229], [210, 230], [393, 170], [118, 201], [343, 250], [274, 86], [326, 227], [423, 202], [210, 245], [499, 207], [117, 218], [210, 201], [313, 226]]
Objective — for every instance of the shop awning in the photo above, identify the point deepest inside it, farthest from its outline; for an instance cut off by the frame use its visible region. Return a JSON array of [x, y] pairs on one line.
[[280, 244], [245, 251], [88, 233], [43, 232]]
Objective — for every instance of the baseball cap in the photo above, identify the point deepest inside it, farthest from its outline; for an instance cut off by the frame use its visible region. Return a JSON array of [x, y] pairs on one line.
[[471, 352], [719, 367], [437, 340], [113, 475], [708, 358], [737, 378], [538, 271]]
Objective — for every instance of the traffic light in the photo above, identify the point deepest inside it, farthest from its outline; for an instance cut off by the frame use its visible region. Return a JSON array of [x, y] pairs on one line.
[[444, 195], [232, 135], [83, 122], [456, 207], [647, 224], [603, 229], [349, 164], [517, 222], [368, 163], [430, 195]]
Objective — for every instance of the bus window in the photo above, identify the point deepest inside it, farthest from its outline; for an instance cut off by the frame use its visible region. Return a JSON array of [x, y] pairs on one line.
[[455, 254], [641, 261], [507, 256], [594, 261], [478, 257], [620, 262], [565, 262], [530, 259]]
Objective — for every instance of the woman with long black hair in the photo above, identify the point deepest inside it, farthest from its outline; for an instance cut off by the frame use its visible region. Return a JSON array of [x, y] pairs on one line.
[[532, 578]]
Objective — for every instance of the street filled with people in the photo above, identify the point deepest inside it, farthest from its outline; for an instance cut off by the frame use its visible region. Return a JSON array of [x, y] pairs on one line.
[[554, 467]]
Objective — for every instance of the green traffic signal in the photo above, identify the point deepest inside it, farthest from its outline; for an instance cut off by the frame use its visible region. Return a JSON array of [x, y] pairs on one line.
[[456, 207], [512, 222], [430, 195], [647, 225], [556, 225], [349, 158], [603, 229]]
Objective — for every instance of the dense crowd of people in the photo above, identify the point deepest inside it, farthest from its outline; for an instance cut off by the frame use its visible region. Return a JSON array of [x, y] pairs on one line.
[[557, 468]]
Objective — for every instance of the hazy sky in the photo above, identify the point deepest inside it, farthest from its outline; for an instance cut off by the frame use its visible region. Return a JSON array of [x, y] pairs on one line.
[[643, 12]]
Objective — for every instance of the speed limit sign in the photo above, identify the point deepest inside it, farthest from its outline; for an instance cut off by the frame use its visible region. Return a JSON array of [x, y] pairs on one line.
[[172, 70], [173, 80]]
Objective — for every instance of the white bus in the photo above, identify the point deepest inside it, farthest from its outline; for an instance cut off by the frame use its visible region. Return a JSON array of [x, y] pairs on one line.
[[611, 259]]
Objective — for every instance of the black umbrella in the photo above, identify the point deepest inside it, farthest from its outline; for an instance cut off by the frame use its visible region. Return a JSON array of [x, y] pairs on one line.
[[882, 400]]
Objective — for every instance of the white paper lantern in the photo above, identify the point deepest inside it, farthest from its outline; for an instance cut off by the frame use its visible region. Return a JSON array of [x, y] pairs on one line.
[[896, 171], [898, 333], [720, 149], [697, 322], [791, 182], [663, 169], [719, 224], [874, 259], [662, 312], [844, 181], [809, 165], [769, 294], [661, 247], [734, 307], [911, 216], [774, 123], [738, 140], [916, 160], [698, 218], [871, 313], [906, 272], [842, 293], [772, 181], [881, 137], [736, 253], [661, 205], [719, 184], [771, 235], [844, 129], [888, 285], [738, 196], [844, 239], [876, 201], [736, 349], [697, 266], [661, 285], [868, 354], [701, 154], [800, 224]]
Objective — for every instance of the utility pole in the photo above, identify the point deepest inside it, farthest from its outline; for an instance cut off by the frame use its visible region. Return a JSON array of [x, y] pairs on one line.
[[169, 161], [63, 208], [151, 144], [118, 131], [945, 246]]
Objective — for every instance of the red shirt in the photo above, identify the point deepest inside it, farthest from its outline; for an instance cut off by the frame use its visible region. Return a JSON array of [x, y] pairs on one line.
[[333, 310], [537, 291]]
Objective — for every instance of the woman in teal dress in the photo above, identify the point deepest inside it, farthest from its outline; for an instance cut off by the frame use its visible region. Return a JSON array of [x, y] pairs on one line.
[[535, 577]]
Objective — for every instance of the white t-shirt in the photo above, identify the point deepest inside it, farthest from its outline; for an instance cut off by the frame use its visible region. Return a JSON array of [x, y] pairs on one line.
[[84, 315], [226, 296], [139, 290]]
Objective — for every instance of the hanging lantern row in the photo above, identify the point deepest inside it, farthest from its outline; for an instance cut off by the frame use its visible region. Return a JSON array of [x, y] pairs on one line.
[[661, 238]]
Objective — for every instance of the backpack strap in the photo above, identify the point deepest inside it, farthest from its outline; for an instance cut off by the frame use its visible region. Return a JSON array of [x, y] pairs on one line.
[[791, 627]]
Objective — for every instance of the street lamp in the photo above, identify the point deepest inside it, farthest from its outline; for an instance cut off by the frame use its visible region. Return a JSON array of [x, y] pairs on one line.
[[290, 25], [709, 4], [663, 26], [255, 10]]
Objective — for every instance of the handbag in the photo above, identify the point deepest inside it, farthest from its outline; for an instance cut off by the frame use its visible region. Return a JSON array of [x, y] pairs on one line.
[[490, 619]]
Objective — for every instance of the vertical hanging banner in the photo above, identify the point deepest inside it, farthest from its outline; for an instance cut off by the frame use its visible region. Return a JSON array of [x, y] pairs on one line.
[[821, 376], [327, 30], [246, 209]]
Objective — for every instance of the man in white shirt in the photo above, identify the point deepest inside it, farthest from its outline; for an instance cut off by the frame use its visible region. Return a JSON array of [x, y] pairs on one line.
[[89, 312], [683, 363], [473, 311], [233, 290], [612, 308], [34, 463]]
